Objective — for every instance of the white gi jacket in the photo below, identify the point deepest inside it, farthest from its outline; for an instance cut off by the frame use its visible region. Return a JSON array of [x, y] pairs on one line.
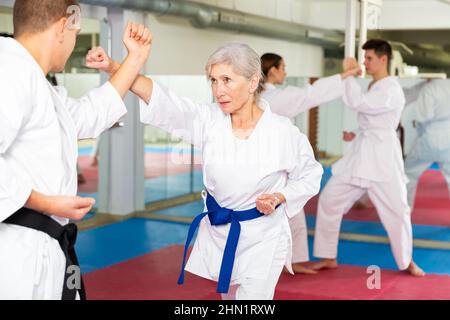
[[291, 101], [375, 154], [275, 158], [433, 120], [39, 129], [40, 126]]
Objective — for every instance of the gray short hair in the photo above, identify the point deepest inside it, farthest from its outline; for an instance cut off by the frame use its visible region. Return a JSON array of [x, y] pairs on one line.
[[244, 60]]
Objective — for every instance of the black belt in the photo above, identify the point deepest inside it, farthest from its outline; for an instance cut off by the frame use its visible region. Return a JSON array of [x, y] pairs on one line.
[[66, 236]]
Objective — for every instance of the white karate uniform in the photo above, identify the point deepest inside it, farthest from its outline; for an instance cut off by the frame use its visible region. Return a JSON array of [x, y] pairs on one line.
[[290, 102], [433, 142], [275, 158], [374, 164], [39, 128]]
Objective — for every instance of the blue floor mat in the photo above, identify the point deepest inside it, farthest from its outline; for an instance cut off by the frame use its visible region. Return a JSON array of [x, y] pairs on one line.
[[104, 246]]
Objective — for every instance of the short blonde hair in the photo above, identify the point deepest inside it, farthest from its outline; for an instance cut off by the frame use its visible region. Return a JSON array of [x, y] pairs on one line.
[[244, 60]]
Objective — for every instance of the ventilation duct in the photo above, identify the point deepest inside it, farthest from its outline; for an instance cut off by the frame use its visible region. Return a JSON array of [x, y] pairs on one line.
[[206, 16]]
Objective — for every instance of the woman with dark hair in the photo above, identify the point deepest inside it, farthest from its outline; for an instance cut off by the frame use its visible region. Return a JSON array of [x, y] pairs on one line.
[[290, 102]]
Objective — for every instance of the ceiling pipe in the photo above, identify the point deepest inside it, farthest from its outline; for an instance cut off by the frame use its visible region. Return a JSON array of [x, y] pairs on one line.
[[435, 59], [207, 16]]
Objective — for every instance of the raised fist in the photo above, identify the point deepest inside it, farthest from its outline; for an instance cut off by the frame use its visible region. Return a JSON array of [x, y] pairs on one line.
[[97, 58], [138, 40], [349, 63]]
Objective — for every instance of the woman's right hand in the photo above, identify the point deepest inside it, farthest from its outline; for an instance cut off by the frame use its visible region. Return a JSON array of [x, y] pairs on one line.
[[266, 203], [96, 58]]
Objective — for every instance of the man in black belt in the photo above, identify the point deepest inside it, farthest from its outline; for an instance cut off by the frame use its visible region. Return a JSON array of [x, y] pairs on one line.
[[39, 128]]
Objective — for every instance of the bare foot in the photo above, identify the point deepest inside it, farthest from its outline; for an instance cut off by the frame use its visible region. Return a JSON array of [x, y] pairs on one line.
[[301, 268], [325, 264], [415, 270]]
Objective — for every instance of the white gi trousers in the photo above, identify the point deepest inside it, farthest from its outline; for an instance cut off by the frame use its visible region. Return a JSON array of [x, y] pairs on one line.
[[299, 232], [259, 289], [32, 264], [419, 160], [389, 198]]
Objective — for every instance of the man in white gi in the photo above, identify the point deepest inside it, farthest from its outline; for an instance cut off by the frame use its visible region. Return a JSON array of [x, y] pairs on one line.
[[291, 101], [372, 164], [432, 120], [39, 128], [411, 94]]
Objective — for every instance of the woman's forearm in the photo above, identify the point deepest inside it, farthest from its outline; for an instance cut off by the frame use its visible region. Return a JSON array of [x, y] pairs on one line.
[[142, 86]]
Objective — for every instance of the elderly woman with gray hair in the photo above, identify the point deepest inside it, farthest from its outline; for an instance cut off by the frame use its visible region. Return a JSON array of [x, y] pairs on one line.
[[258, 171]]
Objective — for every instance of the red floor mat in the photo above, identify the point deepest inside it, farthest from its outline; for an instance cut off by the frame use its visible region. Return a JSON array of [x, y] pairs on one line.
[[153, 276]]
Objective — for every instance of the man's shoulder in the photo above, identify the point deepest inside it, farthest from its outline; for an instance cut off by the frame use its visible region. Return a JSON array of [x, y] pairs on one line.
[[392, 80], [391, 84], [16, 67]]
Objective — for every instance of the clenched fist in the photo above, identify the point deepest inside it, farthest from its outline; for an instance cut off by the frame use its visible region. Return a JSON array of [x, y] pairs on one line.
[[266, 203], [349, 63], [138, 40], [97, 58]]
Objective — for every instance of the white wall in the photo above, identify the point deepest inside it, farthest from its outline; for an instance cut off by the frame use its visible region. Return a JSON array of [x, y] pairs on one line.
[[7, 3], [429, 14], [289, 10], [6, 23], [395, 14]]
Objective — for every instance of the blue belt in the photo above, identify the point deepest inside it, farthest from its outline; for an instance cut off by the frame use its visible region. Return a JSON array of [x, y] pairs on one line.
[[219, 216]]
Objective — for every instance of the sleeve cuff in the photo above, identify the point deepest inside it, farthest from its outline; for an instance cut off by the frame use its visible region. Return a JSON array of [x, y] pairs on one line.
[[10, 206], [347, 89], [147, 110], [291, 205], [338, 82], [115, 101]]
